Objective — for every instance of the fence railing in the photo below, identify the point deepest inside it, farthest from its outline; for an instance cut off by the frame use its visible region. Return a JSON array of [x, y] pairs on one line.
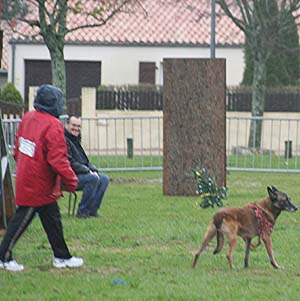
[[150, 98], [279, 150], [136, 143], [126, 98], [8, 108], [238, 98]]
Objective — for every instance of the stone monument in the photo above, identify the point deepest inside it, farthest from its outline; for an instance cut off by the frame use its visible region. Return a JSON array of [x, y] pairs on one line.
[[194, 122]]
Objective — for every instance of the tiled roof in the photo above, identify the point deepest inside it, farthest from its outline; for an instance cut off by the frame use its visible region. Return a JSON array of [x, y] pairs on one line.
[[165, 23]]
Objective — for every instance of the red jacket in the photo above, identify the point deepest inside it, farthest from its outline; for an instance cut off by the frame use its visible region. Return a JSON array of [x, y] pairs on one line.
[[41, 155]]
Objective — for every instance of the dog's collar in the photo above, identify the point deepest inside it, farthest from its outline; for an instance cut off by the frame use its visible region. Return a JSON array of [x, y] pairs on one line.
[[264, 224]]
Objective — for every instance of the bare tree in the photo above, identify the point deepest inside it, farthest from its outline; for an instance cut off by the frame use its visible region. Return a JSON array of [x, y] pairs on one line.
[[261, 30], [53, 20]]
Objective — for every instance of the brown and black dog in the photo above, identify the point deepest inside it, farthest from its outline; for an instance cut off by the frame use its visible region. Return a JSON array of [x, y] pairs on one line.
[[254, 219]]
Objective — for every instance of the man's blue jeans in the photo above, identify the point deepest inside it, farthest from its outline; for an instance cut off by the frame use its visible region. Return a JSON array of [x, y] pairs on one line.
[[93, 187]]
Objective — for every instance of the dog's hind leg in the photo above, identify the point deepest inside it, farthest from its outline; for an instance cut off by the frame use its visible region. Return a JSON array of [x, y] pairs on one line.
[[232, 246], [220, 242], [230, 231], [210, 233], [247, 252]]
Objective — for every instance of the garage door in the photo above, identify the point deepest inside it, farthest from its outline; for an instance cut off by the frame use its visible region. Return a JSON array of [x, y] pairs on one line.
[[78, 74]]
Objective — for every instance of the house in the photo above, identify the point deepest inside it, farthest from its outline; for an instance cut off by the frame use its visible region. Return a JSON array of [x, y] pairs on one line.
[[129, 48]]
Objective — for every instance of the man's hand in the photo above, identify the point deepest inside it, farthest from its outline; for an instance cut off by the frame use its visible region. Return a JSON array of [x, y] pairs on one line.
[[94, 173]]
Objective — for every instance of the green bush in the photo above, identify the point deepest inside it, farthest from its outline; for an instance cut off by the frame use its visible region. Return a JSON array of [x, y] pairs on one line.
[[9, 93], [208, 190]]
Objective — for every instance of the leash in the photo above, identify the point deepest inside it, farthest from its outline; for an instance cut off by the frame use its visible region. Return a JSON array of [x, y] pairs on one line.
[[264, 225]]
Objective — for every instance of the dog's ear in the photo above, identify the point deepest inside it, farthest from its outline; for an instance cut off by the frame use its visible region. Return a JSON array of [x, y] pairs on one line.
[[274, 188], [272, 193]]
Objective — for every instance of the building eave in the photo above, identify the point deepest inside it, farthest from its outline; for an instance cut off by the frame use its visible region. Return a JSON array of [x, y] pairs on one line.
[[128, 44]]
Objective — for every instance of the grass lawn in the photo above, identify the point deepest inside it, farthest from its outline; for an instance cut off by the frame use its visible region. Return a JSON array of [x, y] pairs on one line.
[[147, 240]]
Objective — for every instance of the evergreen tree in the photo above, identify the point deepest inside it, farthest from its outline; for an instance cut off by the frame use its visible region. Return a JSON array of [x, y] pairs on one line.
[[289, 47], [210, 194], [283, 64]]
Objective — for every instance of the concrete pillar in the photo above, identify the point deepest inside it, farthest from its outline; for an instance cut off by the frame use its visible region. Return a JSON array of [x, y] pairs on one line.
[[31, 96], [88, 102]]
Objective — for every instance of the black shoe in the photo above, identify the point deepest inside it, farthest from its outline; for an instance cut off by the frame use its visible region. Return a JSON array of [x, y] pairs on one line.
[[82, 215], [94, 214]]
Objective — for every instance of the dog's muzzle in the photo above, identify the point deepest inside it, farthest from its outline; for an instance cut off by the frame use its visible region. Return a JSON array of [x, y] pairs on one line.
[[291, 208]]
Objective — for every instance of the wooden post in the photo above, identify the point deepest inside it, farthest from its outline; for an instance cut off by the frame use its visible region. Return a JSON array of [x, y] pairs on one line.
[[7, 204]]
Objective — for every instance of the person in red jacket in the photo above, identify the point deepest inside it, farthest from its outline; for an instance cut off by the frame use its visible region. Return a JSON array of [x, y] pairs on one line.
[[40, 152]]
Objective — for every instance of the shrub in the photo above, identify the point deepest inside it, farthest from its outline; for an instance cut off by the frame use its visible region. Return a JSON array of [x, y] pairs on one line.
[[208, 190], [10, 94]]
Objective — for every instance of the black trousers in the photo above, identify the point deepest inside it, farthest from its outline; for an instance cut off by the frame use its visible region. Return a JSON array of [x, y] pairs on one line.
[[51, 221]]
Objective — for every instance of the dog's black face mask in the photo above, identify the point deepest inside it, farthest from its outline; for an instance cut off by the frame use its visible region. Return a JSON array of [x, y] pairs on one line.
[[281, 200]]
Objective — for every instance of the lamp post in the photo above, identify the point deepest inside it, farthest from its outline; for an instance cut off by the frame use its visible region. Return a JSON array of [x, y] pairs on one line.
[[213, 30]]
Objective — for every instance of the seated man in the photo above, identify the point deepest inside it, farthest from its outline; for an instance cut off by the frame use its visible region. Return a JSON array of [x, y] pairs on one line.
[[92, 184]]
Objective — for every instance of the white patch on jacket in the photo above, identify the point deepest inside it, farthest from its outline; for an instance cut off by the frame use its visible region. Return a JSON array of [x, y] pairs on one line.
[[26, 147]]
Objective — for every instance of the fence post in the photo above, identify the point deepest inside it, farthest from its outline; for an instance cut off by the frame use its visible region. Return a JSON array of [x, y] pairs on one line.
[[288, 149], [7, 204], [129, 148]]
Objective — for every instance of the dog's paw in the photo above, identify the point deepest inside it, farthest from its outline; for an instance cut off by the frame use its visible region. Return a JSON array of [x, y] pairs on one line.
[[280, 267]]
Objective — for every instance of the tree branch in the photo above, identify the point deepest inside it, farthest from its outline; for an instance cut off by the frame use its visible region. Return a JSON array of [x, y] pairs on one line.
[[239, 23]]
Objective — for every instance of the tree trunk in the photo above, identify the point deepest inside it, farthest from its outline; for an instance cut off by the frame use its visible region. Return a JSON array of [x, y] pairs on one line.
[[258, 103], [59, 71]]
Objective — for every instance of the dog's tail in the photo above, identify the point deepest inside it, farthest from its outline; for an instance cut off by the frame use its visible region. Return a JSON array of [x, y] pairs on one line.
[[218, 220]]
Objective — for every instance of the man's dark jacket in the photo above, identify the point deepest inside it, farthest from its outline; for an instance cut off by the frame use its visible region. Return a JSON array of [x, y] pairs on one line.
[[77, 156]]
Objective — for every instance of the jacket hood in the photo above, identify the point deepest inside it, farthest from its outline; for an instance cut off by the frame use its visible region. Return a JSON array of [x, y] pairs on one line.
[[49, 99]]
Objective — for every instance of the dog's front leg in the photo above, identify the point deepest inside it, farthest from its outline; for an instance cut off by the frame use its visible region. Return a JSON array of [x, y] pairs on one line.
[[268, 244], [247, 252]]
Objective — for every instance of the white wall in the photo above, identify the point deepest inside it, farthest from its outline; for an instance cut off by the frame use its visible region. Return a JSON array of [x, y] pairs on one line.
[[120, 65]]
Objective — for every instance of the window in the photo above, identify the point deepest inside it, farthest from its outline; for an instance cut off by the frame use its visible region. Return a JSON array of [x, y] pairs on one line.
[[147, 73]]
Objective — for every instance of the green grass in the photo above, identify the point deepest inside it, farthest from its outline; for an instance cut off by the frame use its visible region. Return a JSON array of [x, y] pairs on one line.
[[148, 239], [124, 161]]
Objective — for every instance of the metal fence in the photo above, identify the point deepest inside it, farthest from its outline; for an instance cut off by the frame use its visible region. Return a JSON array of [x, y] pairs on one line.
[[136, 143], [279, 150]]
